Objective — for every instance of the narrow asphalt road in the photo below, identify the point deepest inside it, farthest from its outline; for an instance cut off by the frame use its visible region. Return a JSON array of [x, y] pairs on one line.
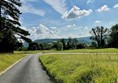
[[29, 70]]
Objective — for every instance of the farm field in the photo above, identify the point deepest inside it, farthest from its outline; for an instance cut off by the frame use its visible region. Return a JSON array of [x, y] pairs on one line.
[[81, 68]]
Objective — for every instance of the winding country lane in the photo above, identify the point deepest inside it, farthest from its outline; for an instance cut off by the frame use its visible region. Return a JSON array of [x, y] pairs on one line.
[[29, 70]]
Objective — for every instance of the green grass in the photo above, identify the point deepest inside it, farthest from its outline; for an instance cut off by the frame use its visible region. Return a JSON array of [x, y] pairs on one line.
[[8, 59], [34, 52], [27, 52], [105, 50], [90, 68]]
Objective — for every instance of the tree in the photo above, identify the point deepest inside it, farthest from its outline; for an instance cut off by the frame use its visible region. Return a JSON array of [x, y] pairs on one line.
[[72, 43], [33, 46], [9, 25], [69, 43], [58, 45], [114, 36], [81, 45], [93, 44], [99, 35], [45, 46], [64, 43]]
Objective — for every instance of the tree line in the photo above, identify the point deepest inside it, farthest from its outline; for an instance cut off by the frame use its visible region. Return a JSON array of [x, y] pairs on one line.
[[71, 43], [101, 38]]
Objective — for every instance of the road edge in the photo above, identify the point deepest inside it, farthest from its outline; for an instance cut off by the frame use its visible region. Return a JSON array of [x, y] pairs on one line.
[[52, 78], [2, 72]]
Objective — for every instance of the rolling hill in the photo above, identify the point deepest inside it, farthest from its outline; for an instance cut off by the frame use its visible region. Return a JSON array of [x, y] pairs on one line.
[[83, 40]]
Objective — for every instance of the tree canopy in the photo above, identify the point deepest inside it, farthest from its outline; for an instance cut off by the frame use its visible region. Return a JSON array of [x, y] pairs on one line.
[[99, 35], [114, 36], [10, 25]]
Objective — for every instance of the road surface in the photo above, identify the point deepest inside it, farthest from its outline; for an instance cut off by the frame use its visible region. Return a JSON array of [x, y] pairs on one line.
[[29, 70]]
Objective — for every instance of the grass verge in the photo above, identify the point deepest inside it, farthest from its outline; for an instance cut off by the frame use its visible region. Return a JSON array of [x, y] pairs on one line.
[[7, 60], [91, 68], [27, 52]]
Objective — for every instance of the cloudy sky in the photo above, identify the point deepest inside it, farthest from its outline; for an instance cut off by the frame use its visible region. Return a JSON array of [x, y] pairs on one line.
[[66, 18]]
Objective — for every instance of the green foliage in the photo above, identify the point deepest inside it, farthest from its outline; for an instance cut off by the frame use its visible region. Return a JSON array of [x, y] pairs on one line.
[[7, 41], [8, 59], [81, 45], [45, 46], [33, 46], [82, 68], [58, 45], [94, 44], [64, 43], [71, 43], [10, 26], [99, 36], [39, 46], [114, 36]]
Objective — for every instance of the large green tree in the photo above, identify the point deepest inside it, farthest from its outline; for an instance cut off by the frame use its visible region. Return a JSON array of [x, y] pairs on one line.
[[99, 36], [9, 25], [114, 36]]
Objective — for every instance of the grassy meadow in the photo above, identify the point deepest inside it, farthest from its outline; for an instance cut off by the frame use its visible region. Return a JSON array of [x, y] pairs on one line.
[[82, 68]]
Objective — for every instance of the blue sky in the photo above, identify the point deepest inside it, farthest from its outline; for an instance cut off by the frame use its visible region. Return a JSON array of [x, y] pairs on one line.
[[66, 18]]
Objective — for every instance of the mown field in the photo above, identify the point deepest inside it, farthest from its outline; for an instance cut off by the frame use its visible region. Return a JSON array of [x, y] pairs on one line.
[[81, 68]]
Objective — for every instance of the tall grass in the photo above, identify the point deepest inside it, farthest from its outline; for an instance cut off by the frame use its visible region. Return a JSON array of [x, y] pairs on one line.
[[8, 59], [91, 68]]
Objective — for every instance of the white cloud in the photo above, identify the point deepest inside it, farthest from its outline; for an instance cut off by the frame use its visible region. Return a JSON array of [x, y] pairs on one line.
[[76, 12], [32, 10], [103, 8], [97, 22], [58, 5], [53, 28], [73, 32], [86, 31], [41, 31], [28, 8], [115, 6], [71, 26], [90, 1]]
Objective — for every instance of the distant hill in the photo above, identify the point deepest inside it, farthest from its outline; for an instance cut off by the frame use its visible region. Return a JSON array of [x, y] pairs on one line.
[[83, 39]]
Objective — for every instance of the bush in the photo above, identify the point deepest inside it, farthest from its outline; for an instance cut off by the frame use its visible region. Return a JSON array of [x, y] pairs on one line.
[[81, 45]]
